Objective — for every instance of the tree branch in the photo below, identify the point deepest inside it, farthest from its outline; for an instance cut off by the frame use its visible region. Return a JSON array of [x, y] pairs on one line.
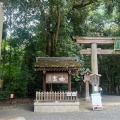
[[82, 4]]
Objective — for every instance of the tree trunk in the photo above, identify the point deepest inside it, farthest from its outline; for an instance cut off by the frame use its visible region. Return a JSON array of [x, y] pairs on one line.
[[57, 28]]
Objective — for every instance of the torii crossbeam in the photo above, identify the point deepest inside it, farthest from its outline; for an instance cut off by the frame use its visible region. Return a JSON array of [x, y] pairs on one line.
[[99, 51]]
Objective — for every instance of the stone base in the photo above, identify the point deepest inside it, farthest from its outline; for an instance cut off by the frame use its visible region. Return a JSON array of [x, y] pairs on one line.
[[87, 98], [56, 106]]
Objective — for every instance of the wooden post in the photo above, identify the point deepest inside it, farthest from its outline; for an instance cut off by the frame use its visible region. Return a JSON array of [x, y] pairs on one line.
[[94, 61], [44, 81], [44, 84], [50, 87], [69, 82]]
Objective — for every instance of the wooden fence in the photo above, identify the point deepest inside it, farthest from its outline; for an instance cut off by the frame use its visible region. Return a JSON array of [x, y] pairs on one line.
[[56, 96]]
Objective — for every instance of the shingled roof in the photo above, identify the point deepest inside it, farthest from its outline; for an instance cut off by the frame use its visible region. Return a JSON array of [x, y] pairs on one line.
[[56, 63]]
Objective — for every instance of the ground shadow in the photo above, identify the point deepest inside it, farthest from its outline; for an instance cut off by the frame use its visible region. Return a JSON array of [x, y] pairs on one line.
[[27, 107]]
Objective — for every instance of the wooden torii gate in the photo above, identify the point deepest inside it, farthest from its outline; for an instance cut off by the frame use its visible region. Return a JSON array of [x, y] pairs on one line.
[[94, 50]]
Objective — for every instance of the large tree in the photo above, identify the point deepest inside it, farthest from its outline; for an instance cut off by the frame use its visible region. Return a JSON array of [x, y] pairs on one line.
[[45, 28]]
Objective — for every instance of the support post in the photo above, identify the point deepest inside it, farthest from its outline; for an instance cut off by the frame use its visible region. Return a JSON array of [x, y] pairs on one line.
[[69, 82], [87, 98], [44, 81], [44, 84], [94, 61]]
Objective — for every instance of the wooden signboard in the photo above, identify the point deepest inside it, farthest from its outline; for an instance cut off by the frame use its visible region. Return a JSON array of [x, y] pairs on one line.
[[57, 78], [95, 79]]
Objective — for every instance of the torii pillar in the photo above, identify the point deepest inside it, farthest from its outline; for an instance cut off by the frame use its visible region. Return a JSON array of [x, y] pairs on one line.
[[94, 61]]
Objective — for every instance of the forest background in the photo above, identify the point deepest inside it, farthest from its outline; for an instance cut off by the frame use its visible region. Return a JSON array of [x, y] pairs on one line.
[[44, 28]]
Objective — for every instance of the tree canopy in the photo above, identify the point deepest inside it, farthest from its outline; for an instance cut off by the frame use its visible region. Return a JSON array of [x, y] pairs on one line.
[[44, 28]]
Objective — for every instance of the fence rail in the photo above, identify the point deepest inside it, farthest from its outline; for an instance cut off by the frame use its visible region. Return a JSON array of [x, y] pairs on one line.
[[56, 96]]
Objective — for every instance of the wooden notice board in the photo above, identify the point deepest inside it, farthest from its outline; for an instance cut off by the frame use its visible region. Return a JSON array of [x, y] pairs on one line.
[[57, 77]]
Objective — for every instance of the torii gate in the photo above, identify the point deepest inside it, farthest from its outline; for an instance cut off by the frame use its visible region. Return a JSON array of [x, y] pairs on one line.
[[94, 50]]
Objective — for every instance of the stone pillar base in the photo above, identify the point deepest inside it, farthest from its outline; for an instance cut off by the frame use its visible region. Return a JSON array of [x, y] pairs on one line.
[[87, 98]]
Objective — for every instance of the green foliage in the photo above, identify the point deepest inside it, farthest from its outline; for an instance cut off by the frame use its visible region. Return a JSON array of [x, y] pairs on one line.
[[4, 95], [45, 28]]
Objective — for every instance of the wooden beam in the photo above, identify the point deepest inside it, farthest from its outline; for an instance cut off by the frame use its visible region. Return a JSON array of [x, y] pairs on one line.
[[69, 82], [99, 51], [97, 40], [93, 38]]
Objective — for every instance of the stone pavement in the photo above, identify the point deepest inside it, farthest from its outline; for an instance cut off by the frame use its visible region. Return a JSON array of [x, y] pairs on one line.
[[111, 111]]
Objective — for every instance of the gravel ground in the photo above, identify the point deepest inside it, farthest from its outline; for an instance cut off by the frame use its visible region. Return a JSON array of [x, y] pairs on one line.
[[111, 111]]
